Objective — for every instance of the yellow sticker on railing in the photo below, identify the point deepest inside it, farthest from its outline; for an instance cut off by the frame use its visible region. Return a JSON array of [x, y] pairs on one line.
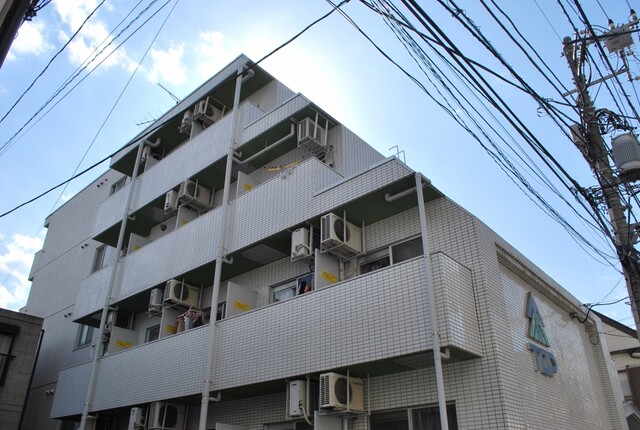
[[171, 328], [241, 305], [328, 276], [123, 344], [247, 187]]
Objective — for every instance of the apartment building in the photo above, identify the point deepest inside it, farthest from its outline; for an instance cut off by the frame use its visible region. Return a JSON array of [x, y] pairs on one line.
[[253, 264]]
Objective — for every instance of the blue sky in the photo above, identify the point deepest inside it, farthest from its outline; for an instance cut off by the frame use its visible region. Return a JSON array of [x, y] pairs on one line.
[[332, 64]]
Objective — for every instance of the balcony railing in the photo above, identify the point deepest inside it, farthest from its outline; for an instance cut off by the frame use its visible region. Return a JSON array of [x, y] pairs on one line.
[[377, 316]]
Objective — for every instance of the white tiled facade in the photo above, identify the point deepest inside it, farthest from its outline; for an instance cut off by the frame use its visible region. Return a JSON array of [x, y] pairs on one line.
[[373, 324]]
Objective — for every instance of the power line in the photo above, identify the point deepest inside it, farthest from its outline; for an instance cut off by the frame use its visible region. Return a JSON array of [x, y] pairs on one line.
[[547, 19], [503, 108], [498, 156], [103, 122], [158, 126], [6, 144], [51, 61]]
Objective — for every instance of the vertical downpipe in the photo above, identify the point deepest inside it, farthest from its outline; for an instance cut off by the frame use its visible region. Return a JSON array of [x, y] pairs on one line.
[[107, 299], [430, 298], [220, 256]]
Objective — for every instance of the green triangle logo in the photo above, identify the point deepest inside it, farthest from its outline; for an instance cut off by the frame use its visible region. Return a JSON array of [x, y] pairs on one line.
[[536, 325]]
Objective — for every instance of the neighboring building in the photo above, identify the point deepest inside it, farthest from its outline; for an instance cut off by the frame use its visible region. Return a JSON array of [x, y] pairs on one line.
[[624, 348], [20, 336], [302, 293]]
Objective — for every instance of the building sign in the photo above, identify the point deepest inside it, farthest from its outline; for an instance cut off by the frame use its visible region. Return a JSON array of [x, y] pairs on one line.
[[544, 361]]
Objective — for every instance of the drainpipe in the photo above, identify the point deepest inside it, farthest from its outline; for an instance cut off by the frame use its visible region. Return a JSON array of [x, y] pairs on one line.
[[220, 257], [291, 134], [107, 300], [33, 371], [430, 298]]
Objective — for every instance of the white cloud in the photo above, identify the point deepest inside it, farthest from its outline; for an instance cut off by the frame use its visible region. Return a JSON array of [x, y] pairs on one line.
[[94, 34], [211, 53], [31, 40], [15, 263], [167, 65]]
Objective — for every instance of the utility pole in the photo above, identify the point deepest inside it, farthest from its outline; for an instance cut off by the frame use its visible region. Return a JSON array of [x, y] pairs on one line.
[[592, 147]]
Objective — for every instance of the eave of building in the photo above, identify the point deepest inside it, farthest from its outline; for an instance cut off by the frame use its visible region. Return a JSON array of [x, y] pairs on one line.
[[221, 87]]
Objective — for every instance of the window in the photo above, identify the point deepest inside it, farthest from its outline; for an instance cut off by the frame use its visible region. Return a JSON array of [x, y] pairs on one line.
[[102, 257], [7, 332], [375, 261], [429, 418], [391, 255], [153, 333], [220, 311], [284, 292], [413, 419], [406, 250], [295, 287], [395, 420], [119, 184], [85, 335]]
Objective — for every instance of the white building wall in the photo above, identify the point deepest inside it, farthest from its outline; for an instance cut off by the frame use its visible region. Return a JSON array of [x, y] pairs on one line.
[[380, 315], [182, 163], [271, 96], [355, 154], [569, 399], [189, 101]]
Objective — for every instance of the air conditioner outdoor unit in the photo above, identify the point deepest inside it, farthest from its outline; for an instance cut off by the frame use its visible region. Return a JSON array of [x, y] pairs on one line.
[[297, 398], [334, 389], [337, 233], [136, 419], [155, 300], [171, 201], [192, 193], [185, 125], [311, 134], [182, 294], [300, 246], [166, 416], [206, 112]]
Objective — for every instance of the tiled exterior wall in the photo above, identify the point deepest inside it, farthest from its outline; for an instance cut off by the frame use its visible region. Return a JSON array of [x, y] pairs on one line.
[[330, 328], [488, 396], [355, 155], [276, 116], [575, 397], [377, 316], [23, 349], [455, 304], [190, 100], [182, 163], [311, 333], [271, 96]]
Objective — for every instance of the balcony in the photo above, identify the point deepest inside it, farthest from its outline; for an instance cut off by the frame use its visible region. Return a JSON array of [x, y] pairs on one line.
[[376, 323], [184, 162]]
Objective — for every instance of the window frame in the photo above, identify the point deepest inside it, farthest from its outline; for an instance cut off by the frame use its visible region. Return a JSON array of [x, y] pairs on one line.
[[118, 185], [10, 331], [285, 286], [149, 331], [296, 284], [408, 415], [365, 262], [84, 338], [101, 257]]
